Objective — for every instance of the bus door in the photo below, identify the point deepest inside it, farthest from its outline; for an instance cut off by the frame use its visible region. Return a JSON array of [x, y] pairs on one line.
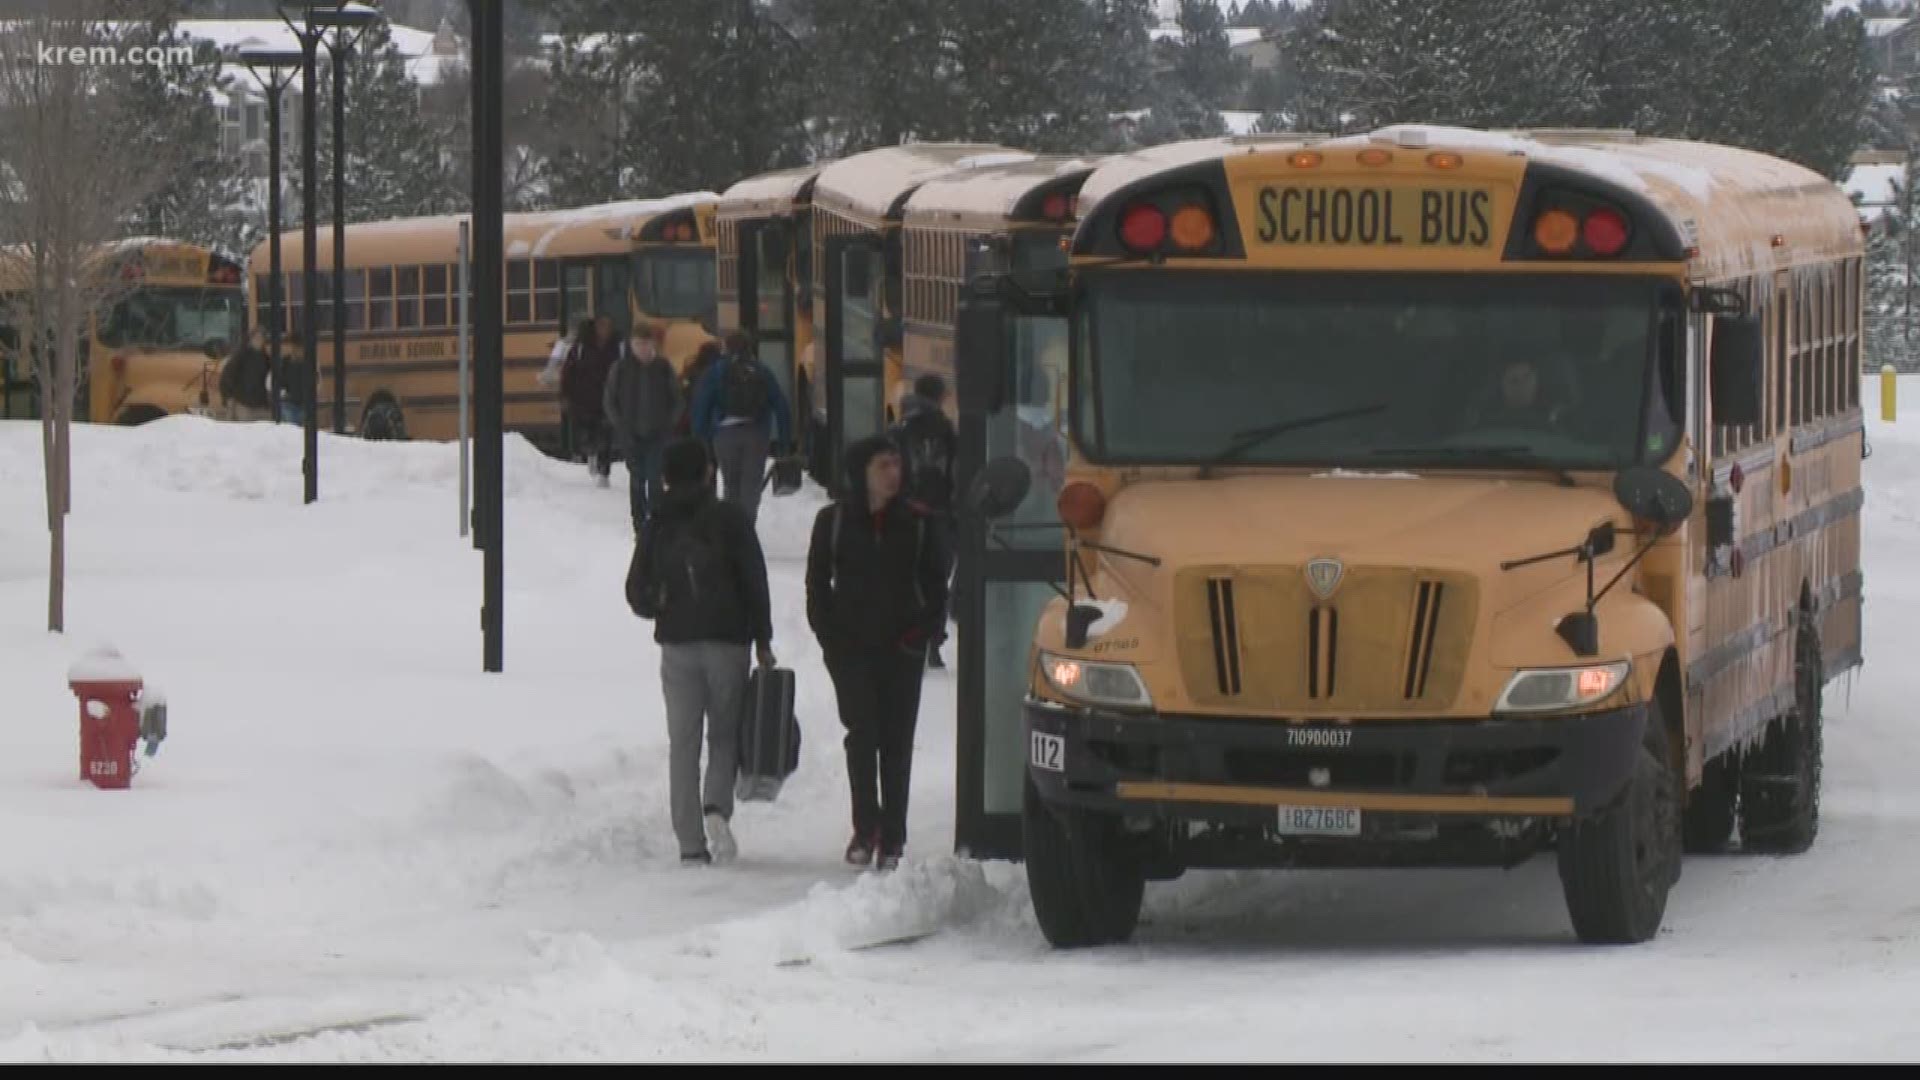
[[576, 289], [854, 363], [612, 291], [1007, 573], [766, 301]]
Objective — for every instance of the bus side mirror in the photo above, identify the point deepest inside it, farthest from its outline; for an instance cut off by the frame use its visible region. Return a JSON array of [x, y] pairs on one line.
[[1739, 370], [999, 488], [980, 350]]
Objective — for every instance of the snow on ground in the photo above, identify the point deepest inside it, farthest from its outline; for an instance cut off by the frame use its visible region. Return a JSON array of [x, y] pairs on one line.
[[355, 846]]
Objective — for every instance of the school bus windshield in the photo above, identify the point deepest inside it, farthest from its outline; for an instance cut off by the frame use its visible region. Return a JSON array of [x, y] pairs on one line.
[[174, 318], [1379, 369], [675, 284]]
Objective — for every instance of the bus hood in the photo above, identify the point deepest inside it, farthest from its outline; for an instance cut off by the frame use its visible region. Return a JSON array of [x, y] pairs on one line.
[[1392, 521]]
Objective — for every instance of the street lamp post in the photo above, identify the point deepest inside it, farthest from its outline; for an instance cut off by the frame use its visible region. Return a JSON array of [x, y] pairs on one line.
[[488, 73], [309, 37], [346, 17], [274, 69]]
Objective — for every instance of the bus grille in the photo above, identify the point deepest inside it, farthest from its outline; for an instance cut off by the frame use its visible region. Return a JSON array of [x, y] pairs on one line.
[[1389, 642]]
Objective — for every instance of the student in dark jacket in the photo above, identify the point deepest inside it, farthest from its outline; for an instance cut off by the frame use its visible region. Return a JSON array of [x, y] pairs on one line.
[[699, 574], [876, 591], [642, 404], [928, 447], [244, 380], [583, 386]]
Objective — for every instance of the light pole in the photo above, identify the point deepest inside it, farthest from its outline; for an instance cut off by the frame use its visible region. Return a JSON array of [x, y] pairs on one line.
[[488, 73], [309, 36], [274, 69], [346, 17]]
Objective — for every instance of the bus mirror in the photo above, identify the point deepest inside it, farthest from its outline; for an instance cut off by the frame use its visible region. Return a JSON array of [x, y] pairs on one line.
[[1650, 494], [1722, 302], [980, 351], [1000, 488], [1739, 370]]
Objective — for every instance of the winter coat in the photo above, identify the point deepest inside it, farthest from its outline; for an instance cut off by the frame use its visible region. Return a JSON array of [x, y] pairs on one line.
[[875, 581], [642, 398], [243, 379], [709, 401], [720, 573], [928, 446], [583, 382]]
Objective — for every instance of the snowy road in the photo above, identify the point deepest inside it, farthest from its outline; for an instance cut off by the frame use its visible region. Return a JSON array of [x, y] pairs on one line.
[[356, 847]]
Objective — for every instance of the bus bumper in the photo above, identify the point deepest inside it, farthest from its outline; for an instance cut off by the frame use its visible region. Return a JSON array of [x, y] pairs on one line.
[[1241, 770]]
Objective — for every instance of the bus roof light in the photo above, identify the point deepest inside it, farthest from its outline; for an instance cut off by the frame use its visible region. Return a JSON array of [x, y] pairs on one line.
[[1081, 505], [1605, 231], [1054, 208], [1305, 159], [1445, 159], [1192, 228], [1555, 231], [1143, 228], [1375, 157]]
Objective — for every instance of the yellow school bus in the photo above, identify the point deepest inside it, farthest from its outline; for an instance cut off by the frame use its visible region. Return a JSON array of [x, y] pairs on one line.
[[811, 263], [1437, 497], [650, 259], [168, 315]]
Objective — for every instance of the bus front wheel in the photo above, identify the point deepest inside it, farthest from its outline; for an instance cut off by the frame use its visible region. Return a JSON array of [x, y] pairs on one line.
[[1617, 865], [1085, 878]]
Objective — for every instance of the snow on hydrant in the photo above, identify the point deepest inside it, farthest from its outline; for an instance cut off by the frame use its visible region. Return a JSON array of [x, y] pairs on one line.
[[117, 709]]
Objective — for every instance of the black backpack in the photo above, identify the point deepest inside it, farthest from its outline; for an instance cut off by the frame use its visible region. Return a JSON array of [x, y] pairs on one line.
[[928, 459], [744, 389], [690, 569]]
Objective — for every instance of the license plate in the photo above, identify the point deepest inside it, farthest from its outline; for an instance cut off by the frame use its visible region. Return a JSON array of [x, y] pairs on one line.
[[1319, 821], [1049, 752]]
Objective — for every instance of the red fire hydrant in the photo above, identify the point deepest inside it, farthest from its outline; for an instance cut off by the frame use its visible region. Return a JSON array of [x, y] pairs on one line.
[[109, 691]]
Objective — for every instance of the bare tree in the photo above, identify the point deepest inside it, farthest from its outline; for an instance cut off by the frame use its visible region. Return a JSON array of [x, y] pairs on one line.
[[67, 181]]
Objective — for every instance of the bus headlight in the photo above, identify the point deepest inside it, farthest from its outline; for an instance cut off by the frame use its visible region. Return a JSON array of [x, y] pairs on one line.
[[1548, 689], [1096, 683]]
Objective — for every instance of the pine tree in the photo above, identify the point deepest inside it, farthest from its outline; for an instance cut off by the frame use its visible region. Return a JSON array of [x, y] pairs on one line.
[[172, 117], [1892, 331], [880, 71], [1202, 76], [1123, 31], [397, 163]]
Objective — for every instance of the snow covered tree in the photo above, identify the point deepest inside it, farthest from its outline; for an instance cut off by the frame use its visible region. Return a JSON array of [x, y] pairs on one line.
[[395, 164], [1017, 74], [172, 113], [881, 71], [1892, 330], [1123, 70], [673, 95], [1365, 63], [1200, 77]]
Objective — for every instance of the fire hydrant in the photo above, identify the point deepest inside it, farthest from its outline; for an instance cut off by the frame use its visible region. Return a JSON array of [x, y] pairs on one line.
[[115, 711]]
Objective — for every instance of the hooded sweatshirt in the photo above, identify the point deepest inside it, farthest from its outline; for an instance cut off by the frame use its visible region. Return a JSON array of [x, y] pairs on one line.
[[880, 583]]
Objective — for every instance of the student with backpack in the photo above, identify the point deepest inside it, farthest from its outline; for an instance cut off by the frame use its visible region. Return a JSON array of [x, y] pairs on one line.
[[583, 386], [876, 594], [928, 446], [740, 409], [699, 574]]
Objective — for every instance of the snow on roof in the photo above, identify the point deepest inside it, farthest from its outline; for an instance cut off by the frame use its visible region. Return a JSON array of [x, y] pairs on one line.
[[1240, 122], [873, 182], [558, 221], [274, 34], [784, 184], [1883, 27], [1236, 36], [995, 190], [1873, 187]]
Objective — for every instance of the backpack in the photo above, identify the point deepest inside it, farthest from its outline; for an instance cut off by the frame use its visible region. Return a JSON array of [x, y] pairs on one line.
[[927, 455], [689, 568], [743, 389]]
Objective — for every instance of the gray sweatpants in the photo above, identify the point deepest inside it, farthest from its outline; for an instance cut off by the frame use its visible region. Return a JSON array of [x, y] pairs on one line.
[[740, 453], [705, 683]]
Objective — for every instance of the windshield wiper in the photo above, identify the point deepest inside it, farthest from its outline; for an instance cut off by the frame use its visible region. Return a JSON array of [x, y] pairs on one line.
[[1503, 453], [1249, 438]]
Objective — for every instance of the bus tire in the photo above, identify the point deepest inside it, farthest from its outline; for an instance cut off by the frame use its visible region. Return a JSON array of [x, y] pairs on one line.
[[1712, 807], [1617, 865], [1780, 782], [135, 415], [383, 421], [1085, 882]]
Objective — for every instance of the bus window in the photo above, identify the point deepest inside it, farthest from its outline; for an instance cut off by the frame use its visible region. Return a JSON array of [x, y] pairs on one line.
[[183, 317], [1038, 251], [610, 287], [675, 284]]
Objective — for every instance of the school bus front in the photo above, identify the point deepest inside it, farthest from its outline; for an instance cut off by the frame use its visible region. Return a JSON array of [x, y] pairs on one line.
[[1377, 514]]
